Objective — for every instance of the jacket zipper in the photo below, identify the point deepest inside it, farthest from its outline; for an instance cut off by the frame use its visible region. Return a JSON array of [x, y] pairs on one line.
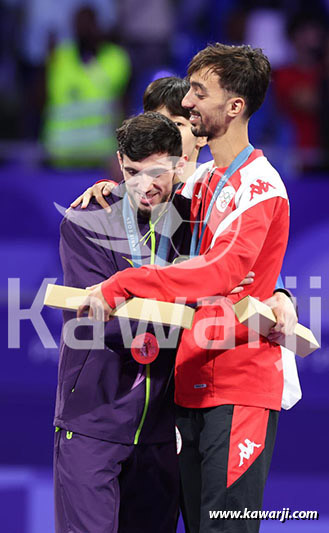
[[148, 368], [146, 403]]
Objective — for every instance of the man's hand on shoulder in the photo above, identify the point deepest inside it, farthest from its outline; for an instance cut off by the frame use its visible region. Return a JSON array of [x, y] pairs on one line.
[[98, 191]]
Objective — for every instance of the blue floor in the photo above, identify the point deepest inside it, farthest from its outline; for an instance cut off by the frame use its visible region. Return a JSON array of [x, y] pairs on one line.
[[26, 502]]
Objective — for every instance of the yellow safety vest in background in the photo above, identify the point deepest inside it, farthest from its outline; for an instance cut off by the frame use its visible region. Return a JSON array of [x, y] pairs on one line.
[[83, 104]]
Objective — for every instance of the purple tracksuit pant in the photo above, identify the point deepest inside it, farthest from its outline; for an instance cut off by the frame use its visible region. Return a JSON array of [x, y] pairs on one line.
[[103, 487]]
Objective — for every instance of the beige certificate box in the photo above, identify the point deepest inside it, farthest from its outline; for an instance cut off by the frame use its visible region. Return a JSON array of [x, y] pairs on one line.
[[166, 313], [260, 317]]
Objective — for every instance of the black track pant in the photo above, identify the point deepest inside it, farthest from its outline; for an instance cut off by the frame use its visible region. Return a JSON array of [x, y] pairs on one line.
[[224, 462]]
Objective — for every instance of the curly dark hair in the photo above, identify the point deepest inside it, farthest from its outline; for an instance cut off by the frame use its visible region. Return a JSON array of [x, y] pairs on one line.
[[147, 134], [242, 70]]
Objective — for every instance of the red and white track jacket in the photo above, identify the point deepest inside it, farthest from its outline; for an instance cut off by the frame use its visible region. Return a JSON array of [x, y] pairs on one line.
[[219, 361]]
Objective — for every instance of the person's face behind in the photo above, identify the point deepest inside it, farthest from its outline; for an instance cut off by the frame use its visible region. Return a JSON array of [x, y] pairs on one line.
[[190, 143], [86, 28], [149, 181], [209, 105]]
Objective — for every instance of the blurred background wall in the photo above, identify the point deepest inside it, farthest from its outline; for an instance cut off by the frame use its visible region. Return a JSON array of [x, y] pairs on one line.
[[46, 48]]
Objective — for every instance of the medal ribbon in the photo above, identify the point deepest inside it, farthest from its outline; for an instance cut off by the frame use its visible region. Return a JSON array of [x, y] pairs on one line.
[[237, 162], [131, 227]]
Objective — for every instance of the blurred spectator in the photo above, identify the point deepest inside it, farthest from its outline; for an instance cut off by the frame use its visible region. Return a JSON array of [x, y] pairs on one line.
[[324, 108], [297, 85], [86, 79], [25, 28], [45, 17], [265, 29], [146, 30], [10, 93], [198, 22]]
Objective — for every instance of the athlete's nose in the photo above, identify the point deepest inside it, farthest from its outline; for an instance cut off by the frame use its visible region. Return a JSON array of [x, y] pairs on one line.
[[186, 102], [144, 182]]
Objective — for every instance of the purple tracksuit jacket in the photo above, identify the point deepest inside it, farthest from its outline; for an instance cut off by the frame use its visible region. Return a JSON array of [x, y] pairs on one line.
[[101, 393]]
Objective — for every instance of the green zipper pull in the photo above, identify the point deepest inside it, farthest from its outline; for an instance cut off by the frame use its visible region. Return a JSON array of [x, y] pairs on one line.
[[153, 242]]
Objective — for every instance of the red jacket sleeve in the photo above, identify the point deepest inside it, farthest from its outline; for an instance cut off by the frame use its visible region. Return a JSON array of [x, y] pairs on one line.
[[106, 180], [215, 273]]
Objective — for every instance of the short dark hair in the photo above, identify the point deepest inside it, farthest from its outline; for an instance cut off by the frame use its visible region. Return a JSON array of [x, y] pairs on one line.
[[147, 134], [168, 92], [243, 70]]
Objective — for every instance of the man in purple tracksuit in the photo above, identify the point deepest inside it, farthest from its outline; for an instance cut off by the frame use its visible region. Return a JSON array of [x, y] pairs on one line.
[[115, 463], [115, 456]]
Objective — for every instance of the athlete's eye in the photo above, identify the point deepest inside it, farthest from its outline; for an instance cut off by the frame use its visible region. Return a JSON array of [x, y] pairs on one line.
[[179, 124]]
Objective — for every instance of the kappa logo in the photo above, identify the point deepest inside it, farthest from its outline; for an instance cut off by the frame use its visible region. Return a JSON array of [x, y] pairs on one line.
[[259, 187], [247, 451], [224, 198]]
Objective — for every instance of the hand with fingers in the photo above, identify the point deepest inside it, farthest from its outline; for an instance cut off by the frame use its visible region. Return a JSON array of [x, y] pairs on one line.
[[96, 305], [284, 310], [248, 280], [98, 191]]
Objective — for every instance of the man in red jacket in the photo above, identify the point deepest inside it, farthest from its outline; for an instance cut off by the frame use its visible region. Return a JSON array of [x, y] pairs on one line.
[[228, 383]]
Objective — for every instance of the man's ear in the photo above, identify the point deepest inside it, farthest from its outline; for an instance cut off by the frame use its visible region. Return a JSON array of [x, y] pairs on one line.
[[202, 141], [120, 160], [180, 166], [237, 106]]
